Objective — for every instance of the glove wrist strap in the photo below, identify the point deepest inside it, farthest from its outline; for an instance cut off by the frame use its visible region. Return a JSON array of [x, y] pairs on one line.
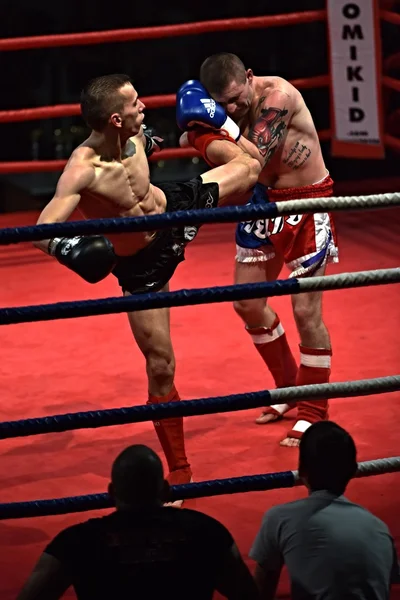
[[149, 147], [51, 248], [232, 129]]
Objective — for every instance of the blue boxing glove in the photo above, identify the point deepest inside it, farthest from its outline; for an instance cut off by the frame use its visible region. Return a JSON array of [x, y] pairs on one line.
[[191, 85], [194, 106]]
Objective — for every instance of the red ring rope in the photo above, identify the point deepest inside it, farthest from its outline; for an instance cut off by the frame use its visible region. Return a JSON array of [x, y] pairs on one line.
[[393, 84], [390, 141], [33, 166], [36, 166], [63, 110], [143, 33], [146, 33], [160, 101], [69, 110], [390, 17]]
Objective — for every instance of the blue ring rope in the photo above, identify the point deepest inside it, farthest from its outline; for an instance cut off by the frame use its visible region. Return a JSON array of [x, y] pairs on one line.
[[201, 216], [229, 214], [180, 298], [135, 414], [217, 487], [190, 408], [105, 306]]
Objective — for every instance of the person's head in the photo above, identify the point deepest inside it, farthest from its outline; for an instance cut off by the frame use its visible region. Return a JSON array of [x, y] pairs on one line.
[[112, 101], [228, 81], [327, 457], [137, 478]]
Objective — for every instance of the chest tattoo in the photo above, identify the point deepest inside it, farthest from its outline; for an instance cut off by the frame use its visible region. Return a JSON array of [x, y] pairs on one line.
[[130, 149]]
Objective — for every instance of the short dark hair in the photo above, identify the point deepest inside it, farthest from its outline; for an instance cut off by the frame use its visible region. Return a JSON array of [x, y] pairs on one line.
[[218, 70], [137, 475], [100, 98], [327, 457]]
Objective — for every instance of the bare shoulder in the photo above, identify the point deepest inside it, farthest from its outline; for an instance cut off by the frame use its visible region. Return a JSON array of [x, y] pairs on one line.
[[278, 84], [277, 88], [281, 93], [292, 92], [80, 168]]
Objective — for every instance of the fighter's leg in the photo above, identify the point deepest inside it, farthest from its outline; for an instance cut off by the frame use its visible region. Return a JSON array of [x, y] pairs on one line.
[[151, 330], [315, 359], [237, 174], [266, 330]]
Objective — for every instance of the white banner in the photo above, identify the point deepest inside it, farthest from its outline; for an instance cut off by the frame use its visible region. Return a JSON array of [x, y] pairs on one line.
[[355, 57]]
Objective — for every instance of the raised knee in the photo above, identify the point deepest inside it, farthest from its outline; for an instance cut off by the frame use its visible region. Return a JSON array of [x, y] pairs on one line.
[[254, 171], [160, 368]]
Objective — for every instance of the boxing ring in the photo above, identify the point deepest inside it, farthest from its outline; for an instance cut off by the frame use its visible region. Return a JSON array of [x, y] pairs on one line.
[[49, 318]]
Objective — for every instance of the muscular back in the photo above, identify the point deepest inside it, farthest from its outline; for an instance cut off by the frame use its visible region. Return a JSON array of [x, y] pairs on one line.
[[280, 125], [109, 187]]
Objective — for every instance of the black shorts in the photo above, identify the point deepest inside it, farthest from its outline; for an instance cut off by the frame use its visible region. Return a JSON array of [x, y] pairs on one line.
[[150, 269]]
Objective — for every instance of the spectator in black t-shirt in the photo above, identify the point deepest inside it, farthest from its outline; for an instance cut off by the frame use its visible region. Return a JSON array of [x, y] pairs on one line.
[[142, 550]]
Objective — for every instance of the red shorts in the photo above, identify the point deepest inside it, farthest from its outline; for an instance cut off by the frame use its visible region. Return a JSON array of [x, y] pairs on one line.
[[306, 242]]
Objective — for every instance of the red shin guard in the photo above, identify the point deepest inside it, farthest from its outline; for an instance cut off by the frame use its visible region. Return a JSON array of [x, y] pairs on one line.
[[171, 437], [201, 137], [273, 347], [315, 367]]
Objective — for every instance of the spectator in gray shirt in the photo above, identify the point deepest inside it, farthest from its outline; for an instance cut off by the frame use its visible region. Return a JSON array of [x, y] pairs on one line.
[[333, 549]]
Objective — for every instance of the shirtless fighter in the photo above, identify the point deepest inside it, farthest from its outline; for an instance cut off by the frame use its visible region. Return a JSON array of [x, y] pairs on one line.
[[107, 176], [272, 115]]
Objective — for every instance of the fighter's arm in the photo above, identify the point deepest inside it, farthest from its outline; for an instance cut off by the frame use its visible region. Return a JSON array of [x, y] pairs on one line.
[[219, 152], [91, 257], [269, 131], [66, 198]]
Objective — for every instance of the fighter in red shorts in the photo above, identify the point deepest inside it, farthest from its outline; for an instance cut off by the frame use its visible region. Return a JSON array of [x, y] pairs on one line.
[[274, 118]]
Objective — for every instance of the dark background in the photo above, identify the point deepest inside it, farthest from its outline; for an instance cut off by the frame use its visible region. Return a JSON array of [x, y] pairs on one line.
[[51, 76]]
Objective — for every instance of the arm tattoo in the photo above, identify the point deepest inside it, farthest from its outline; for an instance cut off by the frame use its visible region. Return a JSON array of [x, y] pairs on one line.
[[268, 130], [297, 156]]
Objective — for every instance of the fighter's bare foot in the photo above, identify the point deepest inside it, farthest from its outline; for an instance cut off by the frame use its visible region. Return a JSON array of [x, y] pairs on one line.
[[267, 418], [290, 442], [178, 477], [272, 413], [176, 504]]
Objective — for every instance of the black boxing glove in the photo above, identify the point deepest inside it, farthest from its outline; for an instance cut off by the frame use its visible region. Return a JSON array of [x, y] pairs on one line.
[[153, 143], [92, 258]]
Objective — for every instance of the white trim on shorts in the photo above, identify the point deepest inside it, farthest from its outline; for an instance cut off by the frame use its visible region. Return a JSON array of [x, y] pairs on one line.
[[253, 255], [323, 230]]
